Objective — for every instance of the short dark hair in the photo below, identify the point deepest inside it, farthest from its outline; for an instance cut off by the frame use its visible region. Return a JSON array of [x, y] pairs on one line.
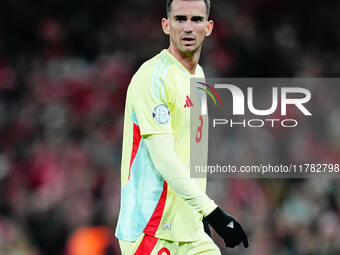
[[169, 2]]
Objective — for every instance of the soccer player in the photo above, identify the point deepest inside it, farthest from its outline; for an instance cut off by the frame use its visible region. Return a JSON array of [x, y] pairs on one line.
[[161, 206]]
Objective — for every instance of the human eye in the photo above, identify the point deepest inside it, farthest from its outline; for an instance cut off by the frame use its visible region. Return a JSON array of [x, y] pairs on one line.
[[180, 18], [197, 19]]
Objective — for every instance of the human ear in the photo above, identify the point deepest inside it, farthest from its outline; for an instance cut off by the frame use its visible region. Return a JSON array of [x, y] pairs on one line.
[[165, 26], [209, 28]]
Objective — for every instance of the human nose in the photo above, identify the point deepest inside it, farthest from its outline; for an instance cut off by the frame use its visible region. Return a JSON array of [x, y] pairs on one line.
[[188, 26]]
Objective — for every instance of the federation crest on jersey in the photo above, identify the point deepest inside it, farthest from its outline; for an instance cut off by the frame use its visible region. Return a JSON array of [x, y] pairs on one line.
[[161, 114]]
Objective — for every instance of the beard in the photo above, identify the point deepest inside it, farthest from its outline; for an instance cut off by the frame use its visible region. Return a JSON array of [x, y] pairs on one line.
[[188, 52]]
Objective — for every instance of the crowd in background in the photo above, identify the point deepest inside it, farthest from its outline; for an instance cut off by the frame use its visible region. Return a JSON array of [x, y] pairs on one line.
[[64, 70]]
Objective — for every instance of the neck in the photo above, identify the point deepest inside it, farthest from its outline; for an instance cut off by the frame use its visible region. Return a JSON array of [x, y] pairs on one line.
[[189, 62]]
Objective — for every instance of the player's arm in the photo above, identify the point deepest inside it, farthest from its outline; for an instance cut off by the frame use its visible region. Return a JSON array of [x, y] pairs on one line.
[[162, 151], [165, 159]]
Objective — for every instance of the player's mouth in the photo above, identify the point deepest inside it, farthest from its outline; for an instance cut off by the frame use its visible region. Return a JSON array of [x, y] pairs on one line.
[[188, 40]]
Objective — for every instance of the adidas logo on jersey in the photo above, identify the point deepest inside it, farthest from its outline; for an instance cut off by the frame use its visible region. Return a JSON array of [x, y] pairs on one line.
[[188, 102]]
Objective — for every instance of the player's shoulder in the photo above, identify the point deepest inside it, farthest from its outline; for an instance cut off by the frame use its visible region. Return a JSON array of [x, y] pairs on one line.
[[147, 69], [153, 71]]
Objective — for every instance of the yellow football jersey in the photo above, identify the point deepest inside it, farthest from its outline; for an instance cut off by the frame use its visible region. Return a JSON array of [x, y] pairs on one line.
[[158, 102]]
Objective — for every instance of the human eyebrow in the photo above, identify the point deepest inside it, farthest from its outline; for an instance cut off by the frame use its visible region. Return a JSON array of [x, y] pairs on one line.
[[197, 18], [180, 17]]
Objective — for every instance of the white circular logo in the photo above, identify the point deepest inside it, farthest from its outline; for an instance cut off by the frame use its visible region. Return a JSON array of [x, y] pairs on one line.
[[161, 114]]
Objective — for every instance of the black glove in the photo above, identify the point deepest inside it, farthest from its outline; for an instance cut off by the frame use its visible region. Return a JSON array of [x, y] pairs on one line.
[[228, 228], [206, 227]]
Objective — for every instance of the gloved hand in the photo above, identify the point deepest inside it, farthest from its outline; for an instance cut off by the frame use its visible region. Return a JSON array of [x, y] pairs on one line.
[[206, 227], [228, 228]]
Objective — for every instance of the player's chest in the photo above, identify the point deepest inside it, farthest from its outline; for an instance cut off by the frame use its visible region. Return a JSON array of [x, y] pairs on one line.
[[185, 102]]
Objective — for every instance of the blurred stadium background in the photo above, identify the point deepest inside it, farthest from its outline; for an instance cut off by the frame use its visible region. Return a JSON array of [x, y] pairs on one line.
[[64, 71]]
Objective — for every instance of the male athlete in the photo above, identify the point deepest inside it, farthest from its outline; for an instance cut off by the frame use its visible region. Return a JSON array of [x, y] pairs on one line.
[[161, 206]]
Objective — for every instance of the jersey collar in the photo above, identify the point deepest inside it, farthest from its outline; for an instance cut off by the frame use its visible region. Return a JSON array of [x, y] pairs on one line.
[[180, 65]]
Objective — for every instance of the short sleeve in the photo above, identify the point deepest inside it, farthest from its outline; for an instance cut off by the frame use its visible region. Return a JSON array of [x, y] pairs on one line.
[[152, 106]]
